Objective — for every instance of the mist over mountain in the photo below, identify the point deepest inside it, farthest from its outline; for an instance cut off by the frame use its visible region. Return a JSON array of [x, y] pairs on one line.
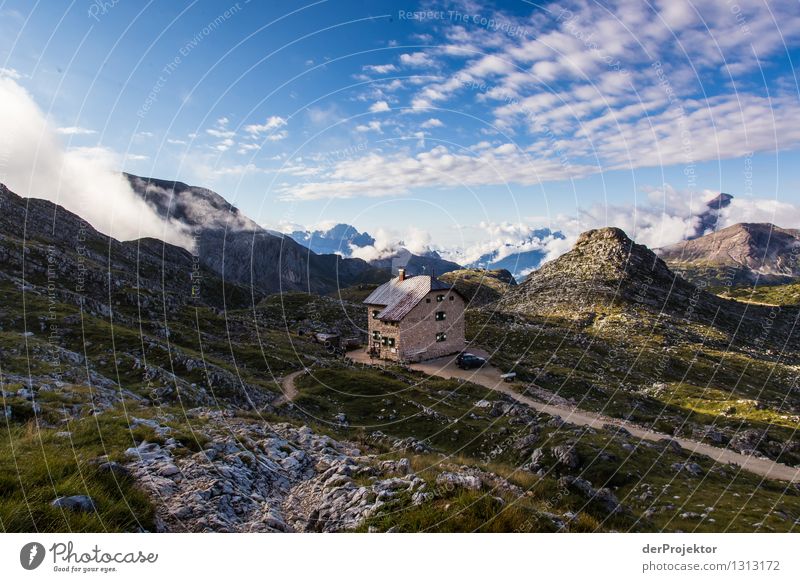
[[708, 219]]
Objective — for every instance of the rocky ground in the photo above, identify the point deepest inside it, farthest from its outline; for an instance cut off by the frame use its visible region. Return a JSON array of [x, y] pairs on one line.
[[252, 476]]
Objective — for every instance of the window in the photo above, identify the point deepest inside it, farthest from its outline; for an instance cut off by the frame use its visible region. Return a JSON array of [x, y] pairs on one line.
[[427, 300], [452, 298], [441, 337], [441, 316], [388, 342], [375, 313], [376, 335], [440, 298]]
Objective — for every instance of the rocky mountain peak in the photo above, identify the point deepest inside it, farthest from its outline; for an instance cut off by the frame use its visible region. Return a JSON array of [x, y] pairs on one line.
[[604, 268], [605, 255]]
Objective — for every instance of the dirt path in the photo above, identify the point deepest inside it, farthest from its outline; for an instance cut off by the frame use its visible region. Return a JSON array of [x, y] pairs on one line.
[[489, 377], [288, 388]]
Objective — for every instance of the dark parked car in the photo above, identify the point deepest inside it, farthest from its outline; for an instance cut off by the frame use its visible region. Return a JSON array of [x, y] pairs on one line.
[[467, 361]]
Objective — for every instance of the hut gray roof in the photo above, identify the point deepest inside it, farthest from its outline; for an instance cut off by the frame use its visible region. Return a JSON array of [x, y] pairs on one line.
[[398, 297]]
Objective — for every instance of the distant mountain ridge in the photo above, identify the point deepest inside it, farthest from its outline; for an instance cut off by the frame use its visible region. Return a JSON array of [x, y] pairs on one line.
[[235, 247], [343, 239], [42, 243], [741, 254], [521, 257], [336, 240]]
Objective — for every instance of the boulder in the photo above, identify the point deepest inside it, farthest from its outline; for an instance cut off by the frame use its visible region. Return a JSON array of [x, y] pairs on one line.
[[566, 456], [465, 480], [78, 503]]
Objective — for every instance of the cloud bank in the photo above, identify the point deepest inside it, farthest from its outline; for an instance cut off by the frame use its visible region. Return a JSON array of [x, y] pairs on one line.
[[86, 180]]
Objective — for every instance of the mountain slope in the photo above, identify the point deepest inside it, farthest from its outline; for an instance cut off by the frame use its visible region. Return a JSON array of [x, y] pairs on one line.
[[430, 263], [44, 244], [239, 250], [480, 287], [741, 254]]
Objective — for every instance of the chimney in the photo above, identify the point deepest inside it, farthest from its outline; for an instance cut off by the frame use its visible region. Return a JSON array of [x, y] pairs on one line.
[[401, 274]]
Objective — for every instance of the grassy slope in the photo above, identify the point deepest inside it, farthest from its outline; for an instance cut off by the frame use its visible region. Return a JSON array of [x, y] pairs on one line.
[[764, 294], [261, 344], [444, 413], [642, 373], [37, 465]]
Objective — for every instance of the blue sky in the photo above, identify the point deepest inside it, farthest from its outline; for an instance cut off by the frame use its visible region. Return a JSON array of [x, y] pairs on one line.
[[456, 124]]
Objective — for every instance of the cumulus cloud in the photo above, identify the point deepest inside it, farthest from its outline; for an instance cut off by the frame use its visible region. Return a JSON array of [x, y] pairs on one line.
[[417, 59], [667, 216], [371, 126], [783, 214], [86, 181], [663, 217], [379, 106], [271, 124], [389, 243], [74, 130], [380, 69], [499, 240], [432, 122]]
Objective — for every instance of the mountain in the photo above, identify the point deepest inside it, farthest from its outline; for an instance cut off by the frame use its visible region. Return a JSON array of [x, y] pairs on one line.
[[342, 239], [235, 247], [480, 287], [41, 243], [608, 278], [429, 263], [521, 257], [742, 254], [335, 240]]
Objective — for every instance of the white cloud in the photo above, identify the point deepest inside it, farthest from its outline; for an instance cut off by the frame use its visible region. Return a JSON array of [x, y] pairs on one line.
[[248, 147], [371, 126], [220, 133], [609, 102], [417, 59], [377, 175], [271, 124], [223, 145], [86, 181], [379, 106], [432, 122], [501, 240], [10, 73], [380, 69], [74, 130], [389, 242]]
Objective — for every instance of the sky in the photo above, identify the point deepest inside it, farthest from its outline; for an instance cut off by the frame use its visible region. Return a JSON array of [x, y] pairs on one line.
[[459, 125]]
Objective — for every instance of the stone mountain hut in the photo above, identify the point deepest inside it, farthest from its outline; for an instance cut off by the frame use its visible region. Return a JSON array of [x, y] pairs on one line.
[[414, 318]]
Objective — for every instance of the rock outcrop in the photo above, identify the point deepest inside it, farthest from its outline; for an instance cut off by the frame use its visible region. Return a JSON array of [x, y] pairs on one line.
[[255, 476]]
